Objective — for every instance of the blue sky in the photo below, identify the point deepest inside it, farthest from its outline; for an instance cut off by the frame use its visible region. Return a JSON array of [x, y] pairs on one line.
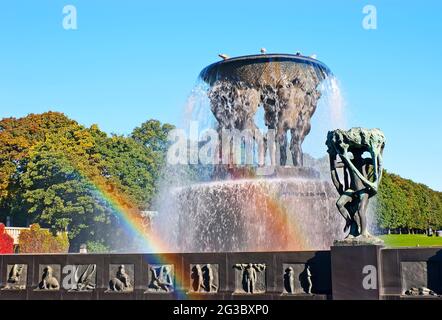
[[129, 61]]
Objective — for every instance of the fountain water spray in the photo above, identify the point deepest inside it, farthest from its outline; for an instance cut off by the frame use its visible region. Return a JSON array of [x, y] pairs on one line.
[[230, 206]]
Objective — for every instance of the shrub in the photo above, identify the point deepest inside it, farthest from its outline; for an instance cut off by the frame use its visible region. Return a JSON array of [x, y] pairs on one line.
[[37, 240], [6, 241]]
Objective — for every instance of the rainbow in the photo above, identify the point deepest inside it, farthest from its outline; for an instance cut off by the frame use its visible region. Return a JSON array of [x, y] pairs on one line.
[[281, 231], [286, 235], [134, 225]]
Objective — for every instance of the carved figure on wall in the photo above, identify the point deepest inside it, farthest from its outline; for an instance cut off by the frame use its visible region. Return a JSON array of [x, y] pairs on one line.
[[289, 280], [16, 277], [121, 281], [161, 278], [15, 273], [422, 291], [249, 275], [84, 278], [209, 279], [197, 277], [297, 278], [308, 279], [48, 280], [203, 279]]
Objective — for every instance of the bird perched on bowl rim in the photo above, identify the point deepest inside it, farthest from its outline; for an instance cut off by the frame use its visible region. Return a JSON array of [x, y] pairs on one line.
[[223, 56]]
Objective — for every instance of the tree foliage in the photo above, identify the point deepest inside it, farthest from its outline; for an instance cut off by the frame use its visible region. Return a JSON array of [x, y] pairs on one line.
[[67, 177], [153, 135], [404, 204], [6, 241], [38, 240]]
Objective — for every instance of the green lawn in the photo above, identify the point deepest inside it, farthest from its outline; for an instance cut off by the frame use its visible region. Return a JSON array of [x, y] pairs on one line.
[[411, 240]]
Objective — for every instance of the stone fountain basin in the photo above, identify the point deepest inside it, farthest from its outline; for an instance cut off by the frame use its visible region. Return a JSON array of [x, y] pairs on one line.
[[265, 69], [256, 215]]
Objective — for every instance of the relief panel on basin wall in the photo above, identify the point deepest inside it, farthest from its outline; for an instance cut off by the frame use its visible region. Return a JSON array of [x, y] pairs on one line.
[[161, 278], [250, 278], [80, 278], [297, 278], [49, 277], [420, 277], [16, 277], [121, 278], [204, 278]]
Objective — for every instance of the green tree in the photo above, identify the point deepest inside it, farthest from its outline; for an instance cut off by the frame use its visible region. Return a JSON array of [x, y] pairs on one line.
[[68, 177], [17, 137], [132, 166], [153, 134], [404, 204]]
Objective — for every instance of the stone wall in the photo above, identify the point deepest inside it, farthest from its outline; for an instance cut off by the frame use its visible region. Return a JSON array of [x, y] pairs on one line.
[[291, 275], [407, 268], [372, 272], [356, 272]]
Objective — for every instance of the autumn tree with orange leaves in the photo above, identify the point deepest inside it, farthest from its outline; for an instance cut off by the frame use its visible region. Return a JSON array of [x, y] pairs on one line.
[[38, 240], [67, 177]]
